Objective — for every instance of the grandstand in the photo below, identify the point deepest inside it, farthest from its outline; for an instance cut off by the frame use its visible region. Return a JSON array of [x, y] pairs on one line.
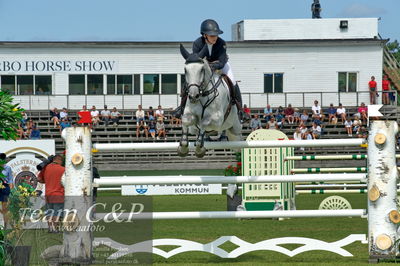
[[218, 159]]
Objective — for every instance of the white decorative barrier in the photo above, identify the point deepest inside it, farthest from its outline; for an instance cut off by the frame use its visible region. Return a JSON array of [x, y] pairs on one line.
[[243, 246]]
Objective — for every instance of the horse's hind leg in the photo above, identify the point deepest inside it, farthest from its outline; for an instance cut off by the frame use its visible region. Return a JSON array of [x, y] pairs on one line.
[[200, 149], [183, 148]]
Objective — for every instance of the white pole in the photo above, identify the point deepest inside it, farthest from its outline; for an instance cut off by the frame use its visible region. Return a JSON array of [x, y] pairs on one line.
[[332, 191], [326, 157], [153, 180], [234, 214], [382, 190], [229, 145]]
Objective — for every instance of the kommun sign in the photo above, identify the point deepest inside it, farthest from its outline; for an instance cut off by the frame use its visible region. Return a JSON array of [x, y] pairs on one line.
[[178, 189]]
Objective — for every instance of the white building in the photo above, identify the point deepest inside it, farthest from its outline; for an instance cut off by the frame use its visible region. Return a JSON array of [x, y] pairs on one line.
[[276, 62]]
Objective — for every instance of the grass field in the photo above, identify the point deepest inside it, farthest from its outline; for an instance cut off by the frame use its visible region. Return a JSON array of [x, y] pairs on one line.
[[252, 230]]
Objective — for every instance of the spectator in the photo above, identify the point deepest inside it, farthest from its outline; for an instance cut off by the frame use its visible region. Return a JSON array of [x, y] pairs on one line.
[[304, 118], [105, 115], [280, 119], [297, 134], [51, 176], [255, 123], [175, 121], [316, 111], [348, 124], [289, 114], [115, 117], [85, 116], [372, 90], [159, 112], [272, 124], [24, 119], [385, 89], [139, 115], [308, 134], [95, 115], [55, 117], [20, 132], [341, 112], [303, 131], [280, 110], [141, 129], [152, 129], [316, 131], [64, 124], [296, 116], [247, 113], [150, 113], [356, 124], [362, 133], [268, 113], [64, 114], [7, 182], [29, 126], [35, 133], [362, 113], [332, 119], [160, 126]]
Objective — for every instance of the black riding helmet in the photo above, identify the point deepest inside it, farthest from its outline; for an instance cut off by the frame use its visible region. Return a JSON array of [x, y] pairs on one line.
[[210, 27]]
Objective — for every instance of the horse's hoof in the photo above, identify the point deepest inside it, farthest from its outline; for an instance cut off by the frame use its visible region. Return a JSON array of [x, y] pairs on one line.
[[183, 151], [200, 152]]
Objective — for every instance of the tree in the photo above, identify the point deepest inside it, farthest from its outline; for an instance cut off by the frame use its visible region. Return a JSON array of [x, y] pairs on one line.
[[394, 49]]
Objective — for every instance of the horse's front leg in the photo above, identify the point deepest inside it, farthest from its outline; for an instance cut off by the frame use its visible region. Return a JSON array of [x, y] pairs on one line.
[[183, 148], [200, 149]]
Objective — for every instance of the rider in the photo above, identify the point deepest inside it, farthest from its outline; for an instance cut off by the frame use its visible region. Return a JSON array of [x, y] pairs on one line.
[[217, 58]]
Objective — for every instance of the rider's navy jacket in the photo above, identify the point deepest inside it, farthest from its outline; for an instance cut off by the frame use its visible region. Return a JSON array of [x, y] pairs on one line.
[[218, 52]]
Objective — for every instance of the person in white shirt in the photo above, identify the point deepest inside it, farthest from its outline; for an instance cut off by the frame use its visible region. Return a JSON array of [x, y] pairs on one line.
[[115, 116], [316, 131], [159, 112], [105, 115], [95, 115], [139, 114], [341, 112], [349, 127], [317, 111], [64, 114]]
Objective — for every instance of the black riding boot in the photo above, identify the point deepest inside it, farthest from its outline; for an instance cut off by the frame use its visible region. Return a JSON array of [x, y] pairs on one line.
[[238, 100], [178, 112]]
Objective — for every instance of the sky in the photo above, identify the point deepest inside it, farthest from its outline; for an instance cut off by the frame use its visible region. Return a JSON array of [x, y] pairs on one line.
[[167, 20]]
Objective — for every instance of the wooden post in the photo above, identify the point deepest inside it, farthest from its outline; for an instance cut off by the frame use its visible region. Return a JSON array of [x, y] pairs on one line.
[[77, 245], [382, 190]]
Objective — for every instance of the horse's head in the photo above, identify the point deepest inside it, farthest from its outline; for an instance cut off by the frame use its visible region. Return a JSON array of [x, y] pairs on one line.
[[197, 72]]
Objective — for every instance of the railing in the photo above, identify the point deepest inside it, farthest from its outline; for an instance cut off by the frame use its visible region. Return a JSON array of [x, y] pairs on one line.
[[252, 100]]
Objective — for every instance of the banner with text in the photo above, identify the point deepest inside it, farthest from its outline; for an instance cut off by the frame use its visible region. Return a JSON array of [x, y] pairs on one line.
[[176, 189]]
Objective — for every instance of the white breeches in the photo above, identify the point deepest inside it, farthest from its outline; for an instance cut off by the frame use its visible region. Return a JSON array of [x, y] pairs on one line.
[[227, 70]]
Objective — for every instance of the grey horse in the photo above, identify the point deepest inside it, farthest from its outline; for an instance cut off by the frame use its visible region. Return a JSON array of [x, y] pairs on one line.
[[209, 108]]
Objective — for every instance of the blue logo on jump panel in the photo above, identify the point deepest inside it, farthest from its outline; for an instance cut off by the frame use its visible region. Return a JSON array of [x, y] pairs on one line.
[[141, 189]]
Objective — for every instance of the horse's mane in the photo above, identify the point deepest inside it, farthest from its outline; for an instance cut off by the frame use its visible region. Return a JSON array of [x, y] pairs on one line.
[[193, 58]]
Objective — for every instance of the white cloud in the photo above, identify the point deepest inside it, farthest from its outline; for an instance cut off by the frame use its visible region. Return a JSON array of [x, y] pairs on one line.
[[362, 10]]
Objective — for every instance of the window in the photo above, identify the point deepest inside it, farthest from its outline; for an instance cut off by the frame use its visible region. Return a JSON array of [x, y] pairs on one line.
[[43, 85], [25, 85], [124, 84], [347, 81], [95, 84], [110, 84], [77, 84], [273, 83], [169, 83], [151, 84], [8, 84]]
